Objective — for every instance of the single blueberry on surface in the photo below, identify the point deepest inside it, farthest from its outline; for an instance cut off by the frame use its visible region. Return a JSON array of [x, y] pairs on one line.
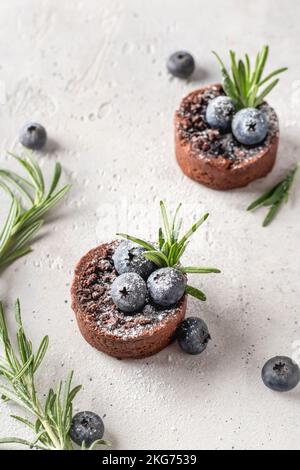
[[33, 136], [181, 64], [129, 258], [250, 126], [193, 335], [86, 427], [129, 292], [281, 374], [166, 286], [220, 112]]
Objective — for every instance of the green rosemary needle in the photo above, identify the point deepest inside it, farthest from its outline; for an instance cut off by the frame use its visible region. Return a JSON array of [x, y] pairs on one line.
[[243, 82], [18, 367], [30, 202], [275, 197], [171, 246]]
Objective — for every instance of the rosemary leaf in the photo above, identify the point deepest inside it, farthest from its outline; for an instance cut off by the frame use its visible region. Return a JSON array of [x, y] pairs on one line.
[[261, 63], [16, 440], [161, 238], [229, 86], [8, 227], [157, 257], [242, 84], [165, 220], [18, 368], [174, 229], [23, 223], [23, 421], [275, 197], [19, 183], [262, 199], [273, 74], [170, 247], [195, 270], [181, 249], [198, 294], [248, 67], [271, 214], [266, 91], [55, 179], [193, 229], [140, 242]]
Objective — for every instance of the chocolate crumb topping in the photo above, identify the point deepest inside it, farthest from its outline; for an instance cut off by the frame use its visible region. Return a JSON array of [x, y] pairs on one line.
[[212, 143]]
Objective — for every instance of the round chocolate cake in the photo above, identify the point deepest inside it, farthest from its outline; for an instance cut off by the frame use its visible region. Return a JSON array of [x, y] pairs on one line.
[[104, 326], [217, 159]]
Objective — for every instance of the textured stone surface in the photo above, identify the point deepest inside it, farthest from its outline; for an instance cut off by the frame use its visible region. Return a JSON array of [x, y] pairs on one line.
[[94, 74]]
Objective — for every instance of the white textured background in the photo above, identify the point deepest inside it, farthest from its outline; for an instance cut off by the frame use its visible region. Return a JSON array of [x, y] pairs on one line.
[[93, 72]]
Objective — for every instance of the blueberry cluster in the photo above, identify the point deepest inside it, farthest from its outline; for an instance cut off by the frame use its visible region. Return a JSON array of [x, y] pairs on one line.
[[249, 125], [139, 279]]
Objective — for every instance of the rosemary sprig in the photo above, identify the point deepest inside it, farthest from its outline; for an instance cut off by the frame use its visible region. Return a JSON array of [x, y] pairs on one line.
[[275, 197], [244, 83], [170, 247], [51, 420], [24, 221]]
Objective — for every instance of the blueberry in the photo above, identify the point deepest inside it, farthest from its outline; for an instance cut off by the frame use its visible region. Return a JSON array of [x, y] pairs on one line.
[[250, 126], [193, 335], [220, 112], [181, 64], [129, 292], [33, 136], [166, 286], [281, 374], [129, 258], [86, 427]]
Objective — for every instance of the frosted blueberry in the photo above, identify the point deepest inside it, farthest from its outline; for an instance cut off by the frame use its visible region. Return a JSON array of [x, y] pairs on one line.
[[181, 64], [166, 286], [193, 335], [281, 374], [86, 427], [129, 292], [250, 126], [33, 136], [220, 112], [129, 258]]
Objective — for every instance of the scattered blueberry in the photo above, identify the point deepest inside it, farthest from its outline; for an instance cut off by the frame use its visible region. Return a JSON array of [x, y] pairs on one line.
[[33, 136], [220, 112], [129, 258], [181, 64], [281, 374], [129, 292], [250, 126], [193, 335], [166, 286], [86, 427]]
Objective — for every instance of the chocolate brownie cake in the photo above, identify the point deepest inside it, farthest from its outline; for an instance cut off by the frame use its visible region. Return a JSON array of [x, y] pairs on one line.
[[217, 159], [107, 328]]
